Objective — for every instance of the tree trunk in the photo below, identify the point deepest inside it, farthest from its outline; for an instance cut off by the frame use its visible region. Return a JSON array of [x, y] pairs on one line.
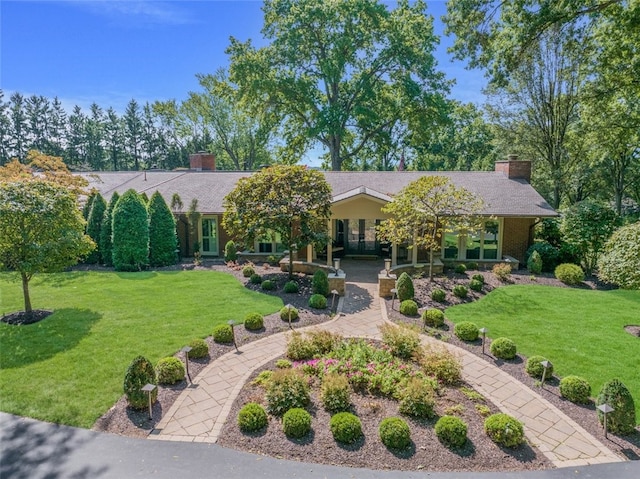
[[431, 264], [334, 150], [25, 291]]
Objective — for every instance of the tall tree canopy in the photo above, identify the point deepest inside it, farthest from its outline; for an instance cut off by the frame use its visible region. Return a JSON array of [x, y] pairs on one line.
[[340, 73]]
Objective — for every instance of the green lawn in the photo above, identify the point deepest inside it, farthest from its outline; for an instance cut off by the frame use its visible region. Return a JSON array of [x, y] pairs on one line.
[[579, 331], [69, 368]]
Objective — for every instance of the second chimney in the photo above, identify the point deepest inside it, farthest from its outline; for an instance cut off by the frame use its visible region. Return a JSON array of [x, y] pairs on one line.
[[514, 168], [202, 161]]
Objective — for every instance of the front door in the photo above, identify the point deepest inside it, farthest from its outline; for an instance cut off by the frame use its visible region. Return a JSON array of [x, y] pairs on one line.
[[360, 237], [209, 236]]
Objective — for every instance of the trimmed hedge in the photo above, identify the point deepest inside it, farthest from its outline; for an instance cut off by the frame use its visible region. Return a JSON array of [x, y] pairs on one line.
[[394, 433], [296, 423], [575, 389], [170, 370], [466, 330], [504, 430], [451, 431], [345, 427], [252, 418], [503, 348]]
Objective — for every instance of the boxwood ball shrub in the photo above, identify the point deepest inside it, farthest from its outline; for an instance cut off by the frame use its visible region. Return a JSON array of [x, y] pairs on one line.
[[535, 369], [296, 423], [317, 301], [287, 388], [335, 393], [291, 287], [409, 307], [569, 273], [404, 285], [252, 418], [478, 277], [320, 283], [433, 318], [199, 348], [248, 271], [451, 431], [139, 373], [268, 285], [461, 268], [504, 430], [460, 291], [223, 334], [395, 433], [575, 389], [466, 330], [623, 418], [476, 285], [170, 370], [503, 348], [289, 312], [253, 321], [345, 427], [255, 279], [438, 295]]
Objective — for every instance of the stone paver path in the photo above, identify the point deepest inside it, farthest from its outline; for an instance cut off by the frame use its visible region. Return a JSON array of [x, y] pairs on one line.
[[201, 410]]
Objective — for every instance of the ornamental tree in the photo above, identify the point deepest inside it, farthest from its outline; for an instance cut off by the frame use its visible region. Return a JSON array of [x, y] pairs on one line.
[[619, 262], [292, 201], [41, 230], [162, 232], [130, 235], [427, 208]]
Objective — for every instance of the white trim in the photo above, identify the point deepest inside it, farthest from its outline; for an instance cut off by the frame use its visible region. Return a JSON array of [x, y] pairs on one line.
[[217, 237]]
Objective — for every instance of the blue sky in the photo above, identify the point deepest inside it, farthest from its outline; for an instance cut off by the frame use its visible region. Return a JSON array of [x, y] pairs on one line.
[[109, 52]]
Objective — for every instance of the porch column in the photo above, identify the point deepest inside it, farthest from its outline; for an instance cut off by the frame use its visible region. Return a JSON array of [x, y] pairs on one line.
[[414, 251], [330, 244], [394, 254], [309, 253]]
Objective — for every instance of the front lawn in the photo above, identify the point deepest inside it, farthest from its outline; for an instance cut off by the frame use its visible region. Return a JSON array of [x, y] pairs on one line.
[[69, 368], [580, 331]]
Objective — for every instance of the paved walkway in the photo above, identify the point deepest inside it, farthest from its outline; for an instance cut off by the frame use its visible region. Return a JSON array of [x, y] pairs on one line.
[[200, 412]]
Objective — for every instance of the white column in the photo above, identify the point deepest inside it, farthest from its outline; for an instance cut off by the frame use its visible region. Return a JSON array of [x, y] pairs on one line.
[[309, 253], [330, 244]]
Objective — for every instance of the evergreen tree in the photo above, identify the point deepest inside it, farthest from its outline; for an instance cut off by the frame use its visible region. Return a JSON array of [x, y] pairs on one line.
[[86, 209], [94, 227], [106, 245], [162, 233], [130, 236]]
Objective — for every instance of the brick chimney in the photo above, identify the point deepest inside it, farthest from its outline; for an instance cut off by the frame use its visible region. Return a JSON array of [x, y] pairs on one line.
[[202, 161], [514, 168]]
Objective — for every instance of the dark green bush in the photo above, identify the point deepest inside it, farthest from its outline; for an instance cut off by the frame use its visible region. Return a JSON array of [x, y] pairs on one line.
[[416, 398], [252, 417], [268, 285], [296, 423], [130, 235], [345, 427], [451, 431], [476, 285], [335, 393], [94, 226], [317, 301], [433, 318], [438, 295], [460, 291], [575, 389], [569, 273], [478, 277], [230, 251], [248, 271], [253, 321], [287, 389], [106, 246], [320, 283], [139, 373], [291, 287], [503, 348], [623, 418], [273, 259], [199, 348], [535, 369], [163, 240], [534, 263], [404, 285], [461, 268], [170, 370], [466, 330], [289, 312], [409, 307], [395, 433], [548, 253], [255, 279], [504, 430], [223, 333]]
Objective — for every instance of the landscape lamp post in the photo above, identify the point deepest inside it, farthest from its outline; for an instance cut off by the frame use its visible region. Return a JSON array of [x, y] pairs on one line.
[[483, 331], [605, 409], [149, 388], [334, 292], [336, 265], [289, 308], [546, 365], [232, 323], [186, 350], [394, 293], [387, 265]]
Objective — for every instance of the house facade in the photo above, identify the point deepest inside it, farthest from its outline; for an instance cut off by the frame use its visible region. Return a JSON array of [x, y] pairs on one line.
[[512, 208]]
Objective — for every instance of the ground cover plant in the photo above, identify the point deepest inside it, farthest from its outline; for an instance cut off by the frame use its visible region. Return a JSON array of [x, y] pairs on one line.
[[69, 368]]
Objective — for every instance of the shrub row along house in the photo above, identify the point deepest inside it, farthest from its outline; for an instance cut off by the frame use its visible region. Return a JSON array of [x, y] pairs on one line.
[[511, 208]]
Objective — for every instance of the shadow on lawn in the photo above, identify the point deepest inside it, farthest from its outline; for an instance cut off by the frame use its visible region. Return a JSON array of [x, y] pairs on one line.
[[63, 330]]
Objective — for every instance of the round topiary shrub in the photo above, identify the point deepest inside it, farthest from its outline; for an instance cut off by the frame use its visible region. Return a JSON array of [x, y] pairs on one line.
[[230, 251], [170, 370], [268, 285], [395, 433], [451, 431], [248, 271], [575, 389], [478, 277], [472, 266], [291, 287], [461, 268], [296, 422], [289, 312], [223, 333], [476, 285], [335, 393], [623, 418], [252, 417], [433, 318], [535, 369], [504, 430], [253, 321], [503, 348], [199, 349], [569, 273], [416, 398], [287, 388], [466, 330], [404, 285], [317, 301], [320, 283], [139, 373], [460, 291], [438, 295], [345, 427], [255, 279], [409, 307]]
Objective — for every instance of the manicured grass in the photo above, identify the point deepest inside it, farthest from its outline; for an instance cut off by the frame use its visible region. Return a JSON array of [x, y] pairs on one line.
[[69, 368], [579, 331]]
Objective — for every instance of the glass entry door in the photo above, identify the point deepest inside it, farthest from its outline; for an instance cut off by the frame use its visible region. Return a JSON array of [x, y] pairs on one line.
[[209, 236], [360, 236]]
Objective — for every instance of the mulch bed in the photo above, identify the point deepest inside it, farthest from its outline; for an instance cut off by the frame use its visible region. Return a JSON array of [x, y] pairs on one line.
[[21, 317]]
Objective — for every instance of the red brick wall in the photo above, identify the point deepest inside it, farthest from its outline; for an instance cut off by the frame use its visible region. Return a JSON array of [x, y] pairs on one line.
[[515, 168], [517, 236]]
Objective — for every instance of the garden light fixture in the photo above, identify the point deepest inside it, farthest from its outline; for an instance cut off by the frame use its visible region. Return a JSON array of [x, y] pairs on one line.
[[605, 409], [546, 365], [334, 292], [387, 265], [394, 293], [186, 350], [336, 266], [289, 308], [483, 331], [149, 388], [232, 323]]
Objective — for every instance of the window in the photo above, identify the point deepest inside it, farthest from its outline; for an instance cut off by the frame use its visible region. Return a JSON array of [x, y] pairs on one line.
[[209, 230], [269, 243], [479, 245]]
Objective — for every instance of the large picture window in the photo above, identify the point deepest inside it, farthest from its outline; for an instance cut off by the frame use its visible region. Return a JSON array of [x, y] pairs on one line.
[[479, 245]]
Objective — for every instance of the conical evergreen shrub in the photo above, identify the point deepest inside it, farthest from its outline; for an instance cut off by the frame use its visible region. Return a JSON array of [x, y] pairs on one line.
[[320, 283], [106, 246], [130, 235], [163, 241], [139, 373], [405, 287], [94, 226]]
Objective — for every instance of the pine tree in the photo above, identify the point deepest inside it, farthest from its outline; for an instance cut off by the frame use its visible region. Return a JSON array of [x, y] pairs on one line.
[[162, 233]]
